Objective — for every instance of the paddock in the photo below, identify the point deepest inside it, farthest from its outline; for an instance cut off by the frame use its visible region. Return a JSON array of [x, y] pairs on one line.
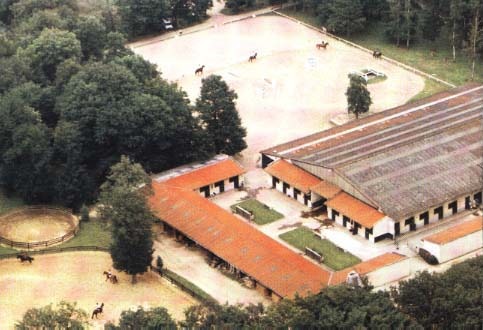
[[78, 276], [292, 88], [37, 227]]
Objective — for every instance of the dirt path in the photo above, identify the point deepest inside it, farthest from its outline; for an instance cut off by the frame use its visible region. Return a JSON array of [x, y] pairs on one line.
[[77, 277]]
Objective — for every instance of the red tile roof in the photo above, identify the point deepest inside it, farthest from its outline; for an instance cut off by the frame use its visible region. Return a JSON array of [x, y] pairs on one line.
[[367, 266], [293, 175], [249, 250], [353, 208], [326, 189], [207, 175], [455, 232]]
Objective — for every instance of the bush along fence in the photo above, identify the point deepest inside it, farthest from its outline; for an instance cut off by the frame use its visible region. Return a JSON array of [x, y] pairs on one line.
[[390, 60], [40, 244], [185, 285]]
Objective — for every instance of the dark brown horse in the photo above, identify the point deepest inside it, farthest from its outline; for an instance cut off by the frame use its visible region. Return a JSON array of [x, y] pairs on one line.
[[25, 257], [377, 54], [252, 57], [111, 277], [199, 71], [98, 310], [323, 44]]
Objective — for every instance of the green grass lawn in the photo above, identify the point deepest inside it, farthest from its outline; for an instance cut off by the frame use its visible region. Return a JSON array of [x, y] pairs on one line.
[[263, 214], [334, 257], [91, 233], [418, 56], [9, 202]]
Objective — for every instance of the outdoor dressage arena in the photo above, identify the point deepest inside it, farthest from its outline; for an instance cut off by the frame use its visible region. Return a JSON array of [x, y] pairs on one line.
[[291, 90], [78, 276]]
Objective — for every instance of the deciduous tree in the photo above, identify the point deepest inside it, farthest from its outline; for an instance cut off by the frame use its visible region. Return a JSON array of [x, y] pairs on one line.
[[219, 116], [358, 97], [65, 316], [124, 203]]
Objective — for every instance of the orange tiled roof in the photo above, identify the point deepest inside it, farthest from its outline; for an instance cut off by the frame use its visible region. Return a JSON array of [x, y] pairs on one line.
[[326, 189], [207, 175], [293, 175], [367, 266], [355, 209], [455, 232], [257, 255]]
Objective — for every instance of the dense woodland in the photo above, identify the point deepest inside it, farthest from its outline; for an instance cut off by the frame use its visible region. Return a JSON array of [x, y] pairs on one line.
[[73, 99], [451, 300]]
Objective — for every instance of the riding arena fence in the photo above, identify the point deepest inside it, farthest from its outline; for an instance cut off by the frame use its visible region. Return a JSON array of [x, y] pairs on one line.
[[40, 244], [57, 250], [349, 43]]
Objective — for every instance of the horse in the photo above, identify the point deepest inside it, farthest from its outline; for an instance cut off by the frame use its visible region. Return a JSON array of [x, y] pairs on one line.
[[111, 277], [322, 45], [24, 257], [252, 57], [98, 310], [377, 54], [199, 71]]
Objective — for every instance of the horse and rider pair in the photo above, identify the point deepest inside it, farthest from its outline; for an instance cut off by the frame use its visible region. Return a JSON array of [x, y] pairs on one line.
[[111, 277]]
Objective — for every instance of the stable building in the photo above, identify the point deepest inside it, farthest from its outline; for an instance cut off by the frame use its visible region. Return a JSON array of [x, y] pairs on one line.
[[400, 169], [212, 177], [270, 267], [455, 241], [383, 269]]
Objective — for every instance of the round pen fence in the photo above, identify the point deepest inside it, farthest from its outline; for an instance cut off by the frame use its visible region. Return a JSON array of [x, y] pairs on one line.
[[62, 213]]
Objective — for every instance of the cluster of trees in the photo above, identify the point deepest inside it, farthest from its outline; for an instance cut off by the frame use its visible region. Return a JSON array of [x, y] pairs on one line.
[[428, 301], [406, 21], [73, 99], [141, 17]]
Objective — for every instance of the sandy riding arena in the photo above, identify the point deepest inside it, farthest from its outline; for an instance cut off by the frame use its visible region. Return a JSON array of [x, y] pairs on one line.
[[291, 90], [78, 276], [36, 224]]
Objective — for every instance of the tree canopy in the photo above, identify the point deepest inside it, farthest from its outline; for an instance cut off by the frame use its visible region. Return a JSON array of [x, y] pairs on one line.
[[219, 115], [358, 97], [123, 201], [65, 316], [74, 99]]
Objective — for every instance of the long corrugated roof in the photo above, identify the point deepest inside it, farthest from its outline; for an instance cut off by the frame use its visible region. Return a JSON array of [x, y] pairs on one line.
[[367, 266], [407, 159], [293, 175], [264, 259], [207, 175], [355, 209], [456, 232]]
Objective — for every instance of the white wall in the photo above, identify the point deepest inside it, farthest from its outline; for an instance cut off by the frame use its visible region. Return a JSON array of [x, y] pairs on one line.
[[228, 186], [390, 273], [461, 246], [289, 192]]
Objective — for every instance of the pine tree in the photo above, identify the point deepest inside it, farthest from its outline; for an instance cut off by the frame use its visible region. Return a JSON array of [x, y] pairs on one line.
[[358, 97], [219, 116]]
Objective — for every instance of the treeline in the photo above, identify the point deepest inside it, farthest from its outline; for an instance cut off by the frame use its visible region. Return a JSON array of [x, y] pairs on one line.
[[405, 22], [73, 99], [450, 300], [140, 17]]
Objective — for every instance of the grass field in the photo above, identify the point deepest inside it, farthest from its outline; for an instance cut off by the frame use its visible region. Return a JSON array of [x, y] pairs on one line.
[[418, 56], [91, 233], [334, 257], [9, 202], [262, 213]]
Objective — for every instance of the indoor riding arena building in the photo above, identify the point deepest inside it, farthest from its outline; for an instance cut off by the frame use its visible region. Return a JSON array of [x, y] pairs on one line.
[[391, 172]]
